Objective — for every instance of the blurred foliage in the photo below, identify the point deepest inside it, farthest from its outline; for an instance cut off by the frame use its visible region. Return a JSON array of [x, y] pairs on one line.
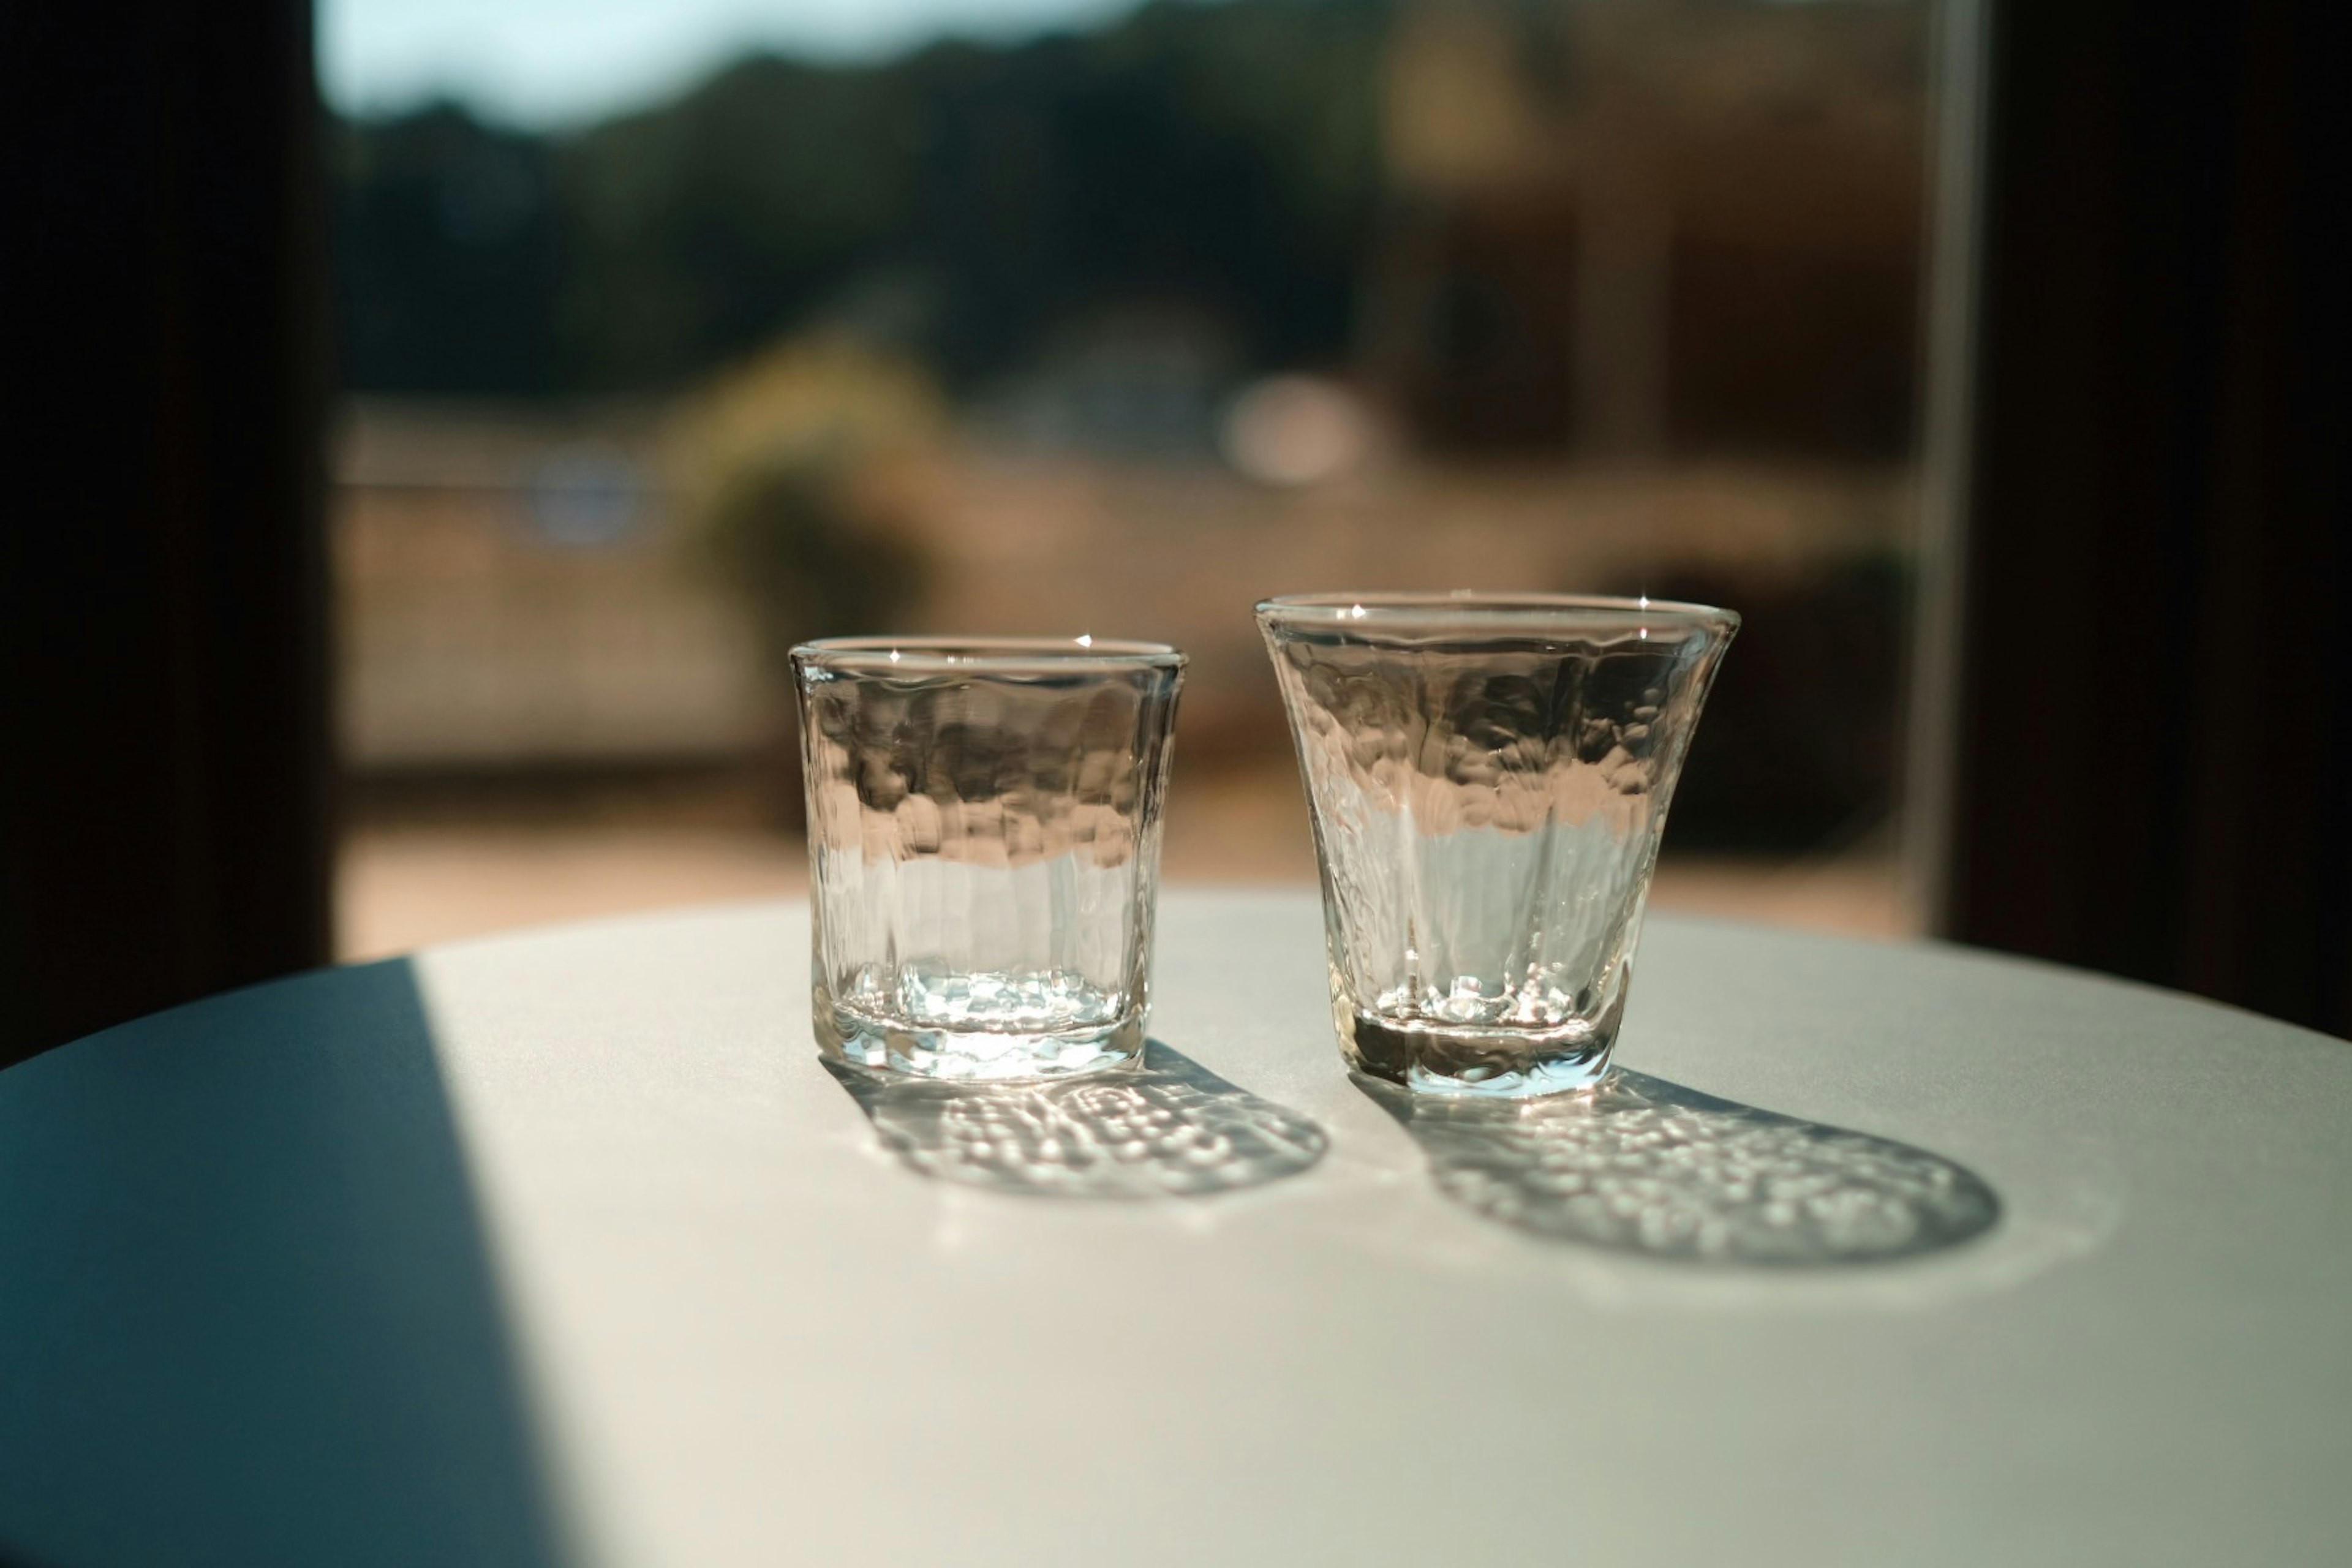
[[448, 251], [962, 204], [799, 474]]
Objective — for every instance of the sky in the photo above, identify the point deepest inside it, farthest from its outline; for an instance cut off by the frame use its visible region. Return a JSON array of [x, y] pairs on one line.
[[550, 63]]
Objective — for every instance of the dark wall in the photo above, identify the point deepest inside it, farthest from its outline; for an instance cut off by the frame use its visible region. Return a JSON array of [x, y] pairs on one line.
[[164, 795], [2156, 741]]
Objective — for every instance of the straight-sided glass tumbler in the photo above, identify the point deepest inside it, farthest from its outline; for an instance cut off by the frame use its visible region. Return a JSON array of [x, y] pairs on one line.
[[1489, 776], [984, 843]]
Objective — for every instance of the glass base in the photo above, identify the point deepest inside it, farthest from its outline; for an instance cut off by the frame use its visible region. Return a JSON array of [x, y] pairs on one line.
[[987, 1055], [1502, 1064]]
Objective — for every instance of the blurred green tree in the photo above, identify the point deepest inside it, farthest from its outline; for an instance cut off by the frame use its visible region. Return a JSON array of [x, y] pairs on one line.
[[801, 475], [698, 230], [448, 255], [1221, 154]]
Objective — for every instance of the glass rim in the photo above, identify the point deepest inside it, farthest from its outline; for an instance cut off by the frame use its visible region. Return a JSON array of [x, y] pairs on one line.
[[935, 654], [1465, 608]]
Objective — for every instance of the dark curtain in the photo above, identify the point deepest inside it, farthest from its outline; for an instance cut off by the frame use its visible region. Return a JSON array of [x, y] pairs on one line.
[[2155, 746], [163, 827]]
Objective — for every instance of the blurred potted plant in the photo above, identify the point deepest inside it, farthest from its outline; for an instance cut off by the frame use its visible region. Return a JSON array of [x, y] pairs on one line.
[[801, 476]]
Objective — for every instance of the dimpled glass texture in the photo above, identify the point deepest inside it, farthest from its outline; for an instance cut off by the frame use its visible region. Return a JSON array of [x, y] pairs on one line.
[[985, 845], [1488, 777]]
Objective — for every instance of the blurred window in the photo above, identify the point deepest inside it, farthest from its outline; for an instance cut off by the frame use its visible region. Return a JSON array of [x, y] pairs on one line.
[[672, 335]]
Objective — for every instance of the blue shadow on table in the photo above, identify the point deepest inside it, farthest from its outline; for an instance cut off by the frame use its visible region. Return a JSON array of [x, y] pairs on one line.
[[1168, 1128], [1642, 1165], [248, 1313]]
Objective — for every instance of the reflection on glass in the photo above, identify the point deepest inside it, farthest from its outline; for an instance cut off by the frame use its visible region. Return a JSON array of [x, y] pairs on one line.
[[1647, 1166], [1169, 1128]]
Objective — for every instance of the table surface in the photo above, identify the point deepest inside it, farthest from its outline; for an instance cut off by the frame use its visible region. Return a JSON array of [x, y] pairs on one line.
[[563, 1247]]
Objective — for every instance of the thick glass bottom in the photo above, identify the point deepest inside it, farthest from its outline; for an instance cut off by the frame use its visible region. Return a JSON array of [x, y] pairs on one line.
[[994, 1056], [1508, 1064]]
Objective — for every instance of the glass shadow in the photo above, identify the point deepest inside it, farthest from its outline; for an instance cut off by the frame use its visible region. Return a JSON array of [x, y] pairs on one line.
[[1646, 1166], [248, 1311], [1166, 1128]]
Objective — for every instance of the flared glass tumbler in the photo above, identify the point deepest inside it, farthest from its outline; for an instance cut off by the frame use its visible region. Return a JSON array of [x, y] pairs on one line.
[[1488, 777]]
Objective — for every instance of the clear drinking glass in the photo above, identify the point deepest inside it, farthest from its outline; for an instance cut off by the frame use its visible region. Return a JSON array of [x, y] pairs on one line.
[[985, 839], [1488, 777]]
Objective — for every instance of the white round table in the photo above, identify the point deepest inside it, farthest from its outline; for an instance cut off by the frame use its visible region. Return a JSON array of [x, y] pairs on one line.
[[564, 1246]]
